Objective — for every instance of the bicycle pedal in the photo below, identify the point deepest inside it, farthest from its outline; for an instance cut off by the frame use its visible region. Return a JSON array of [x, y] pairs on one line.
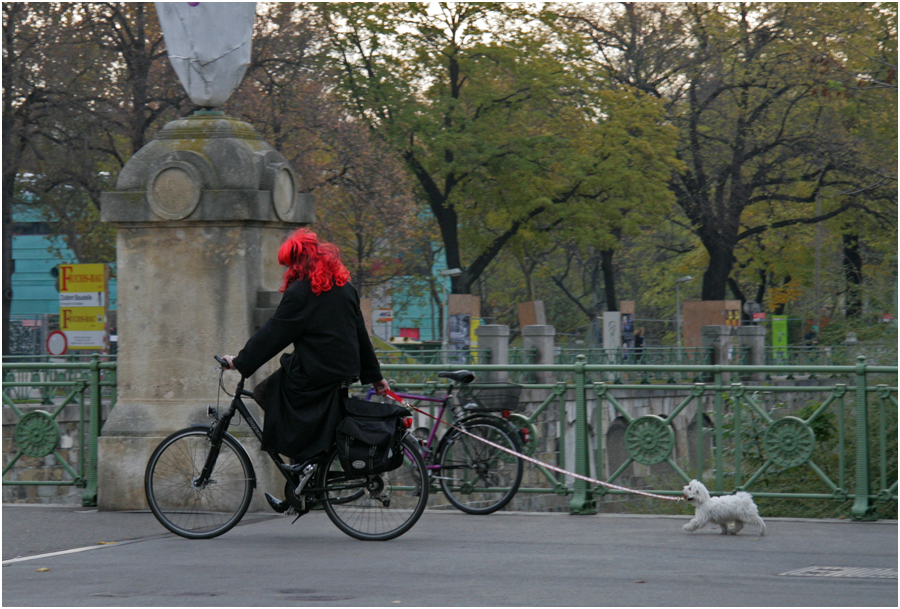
[[302, 467]]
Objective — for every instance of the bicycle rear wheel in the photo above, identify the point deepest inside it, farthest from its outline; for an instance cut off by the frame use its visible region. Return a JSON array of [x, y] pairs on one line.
[[379, 507], [476, 477], [186, 508]]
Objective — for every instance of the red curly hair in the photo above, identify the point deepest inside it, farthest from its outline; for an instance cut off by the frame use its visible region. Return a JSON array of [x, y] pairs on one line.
[[308, 258]]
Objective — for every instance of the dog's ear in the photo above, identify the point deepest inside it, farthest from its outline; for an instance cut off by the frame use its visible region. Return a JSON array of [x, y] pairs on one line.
[[701, 491]]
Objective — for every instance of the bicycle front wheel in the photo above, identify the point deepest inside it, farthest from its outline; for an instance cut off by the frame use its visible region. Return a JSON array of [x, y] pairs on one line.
[[378, 507], [476, 477], [180, 502]]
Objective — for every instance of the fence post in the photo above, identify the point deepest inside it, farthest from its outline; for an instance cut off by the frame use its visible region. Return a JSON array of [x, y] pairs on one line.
[[582, 500], [719, 339], [496, 338], [862, 507], [540, 338], [719, 385], [754, 337], [89, 496]]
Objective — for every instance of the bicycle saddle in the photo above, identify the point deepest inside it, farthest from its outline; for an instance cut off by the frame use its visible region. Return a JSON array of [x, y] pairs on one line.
[[460, 376]]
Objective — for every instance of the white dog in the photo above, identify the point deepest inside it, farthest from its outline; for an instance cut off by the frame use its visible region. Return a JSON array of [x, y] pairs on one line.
[[738, 508]]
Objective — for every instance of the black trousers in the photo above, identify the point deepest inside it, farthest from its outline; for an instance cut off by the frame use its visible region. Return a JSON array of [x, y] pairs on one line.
[[259, 393]]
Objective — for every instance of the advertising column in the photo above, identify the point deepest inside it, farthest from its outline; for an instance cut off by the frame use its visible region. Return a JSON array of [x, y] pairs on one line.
[[83, 304], [780, 337]]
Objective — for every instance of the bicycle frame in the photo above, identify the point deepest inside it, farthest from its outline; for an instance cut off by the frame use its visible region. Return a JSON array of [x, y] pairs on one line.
[[429, 443], [220, 428]]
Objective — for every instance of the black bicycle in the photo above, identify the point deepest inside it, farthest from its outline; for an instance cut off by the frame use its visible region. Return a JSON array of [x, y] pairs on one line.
[[199, 482]]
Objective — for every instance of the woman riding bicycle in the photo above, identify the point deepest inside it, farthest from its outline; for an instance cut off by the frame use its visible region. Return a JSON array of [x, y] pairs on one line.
[[320, 315]]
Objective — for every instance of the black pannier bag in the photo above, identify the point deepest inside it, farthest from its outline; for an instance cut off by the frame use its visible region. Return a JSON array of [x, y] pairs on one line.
[[368, 437]]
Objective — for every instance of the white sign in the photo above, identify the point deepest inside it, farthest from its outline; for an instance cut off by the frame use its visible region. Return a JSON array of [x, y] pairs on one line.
[[81, 299], [384, 316], [85, 339], [57, 343]]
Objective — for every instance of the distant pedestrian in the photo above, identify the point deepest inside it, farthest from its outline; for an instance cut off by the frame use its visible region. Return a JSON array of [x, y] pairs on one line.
[[811, 338], [638, 344]]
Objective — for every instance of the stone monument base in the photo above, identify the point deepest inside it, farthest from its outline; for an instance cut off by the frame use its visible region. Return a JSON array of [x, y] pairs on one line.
[[123, 455]]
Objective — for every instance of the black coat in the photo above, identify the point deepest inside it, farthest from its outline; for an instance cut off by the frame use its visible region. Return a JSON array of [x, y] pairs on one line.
[[331, 345]]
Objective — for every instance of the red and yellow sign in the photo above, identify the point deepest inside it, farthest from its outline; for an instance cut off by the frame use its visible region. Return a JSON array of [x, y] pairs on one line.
[[82, 278], [82, 305]]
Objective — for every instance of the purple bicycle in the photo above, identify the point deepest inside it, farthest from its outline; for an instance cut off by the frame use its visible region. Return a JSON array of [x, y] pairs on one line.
[[476, 478]]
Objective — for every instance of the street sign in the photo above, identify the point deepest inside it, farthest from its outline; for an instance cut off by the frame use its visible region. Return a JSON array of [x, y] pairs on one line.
[[83, 304], [384, 316], [732, 318], [57, 343]]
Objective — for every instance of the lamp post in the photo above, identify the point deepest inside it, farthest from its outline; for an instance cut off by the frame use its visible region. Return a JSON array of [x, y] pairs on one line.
[[445, 334], [678, 283]]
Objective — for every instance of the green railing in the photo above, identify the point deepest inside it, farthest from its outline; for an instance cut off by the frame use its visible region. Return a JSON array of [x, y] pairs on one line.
[[649, 356], [37, 394], [800, 433], [433, 356], [781, 439], [829, 355]]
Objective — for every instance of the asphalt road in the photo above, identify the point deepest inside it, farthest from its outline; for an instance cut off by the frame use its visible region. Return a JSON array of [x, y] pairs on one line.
[[448, 559]]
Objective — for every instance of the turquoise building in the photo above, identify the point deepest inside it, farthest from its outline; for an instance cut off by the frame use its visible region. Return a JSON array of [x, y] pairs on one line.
[[33, 284]]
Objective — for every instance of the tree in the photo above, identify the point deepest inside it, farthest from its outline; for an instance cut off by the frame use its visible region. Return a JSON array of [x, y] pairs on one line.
[[493, 126], [37, 86], [364, 201], [113, 88], [747, 96]]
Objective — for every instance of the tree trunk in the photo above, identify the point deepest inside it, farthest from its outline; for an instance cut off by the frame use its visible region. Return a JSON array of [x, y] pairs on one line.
[[715, 278], [853, 275], [609, 280]]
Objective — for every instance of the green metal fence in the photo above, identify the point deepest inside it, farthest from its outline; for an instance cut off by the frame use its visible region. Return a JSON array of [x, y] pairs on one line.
[[829, 355], [808, 433], [811, 433], [433, 356], [36, 394]]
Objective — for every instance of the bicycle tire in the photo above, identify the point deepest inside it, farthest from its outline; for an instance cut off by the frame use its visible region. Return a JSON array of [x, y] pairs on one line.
[[478, 478], [188, 511], [380, 507]]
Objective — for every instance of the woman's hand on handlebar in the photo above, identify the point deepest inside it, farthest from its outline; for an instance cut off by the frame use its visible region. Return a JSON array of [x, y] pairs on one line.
[[381, 387], [229, 359]]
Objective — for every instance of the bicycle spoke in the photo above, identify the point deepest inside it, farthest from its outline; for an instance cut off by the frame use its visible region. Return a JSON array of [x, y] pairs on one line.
[[376, 507], [192, 510], [476, 478]]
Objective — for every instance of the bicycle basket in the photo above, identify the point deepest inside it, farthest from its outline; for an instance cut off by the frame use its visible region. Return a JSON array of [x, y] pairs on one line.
[[502, 396]]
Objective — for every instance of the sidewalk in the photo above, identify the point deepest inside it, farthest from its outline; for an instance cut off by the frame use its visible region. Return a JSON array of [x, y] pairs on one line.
[[447, 559]]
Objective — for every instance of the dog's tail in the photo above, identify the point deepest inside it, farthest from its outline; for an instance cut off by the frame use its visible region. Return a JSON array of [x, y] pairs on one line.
[[761, 525]]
